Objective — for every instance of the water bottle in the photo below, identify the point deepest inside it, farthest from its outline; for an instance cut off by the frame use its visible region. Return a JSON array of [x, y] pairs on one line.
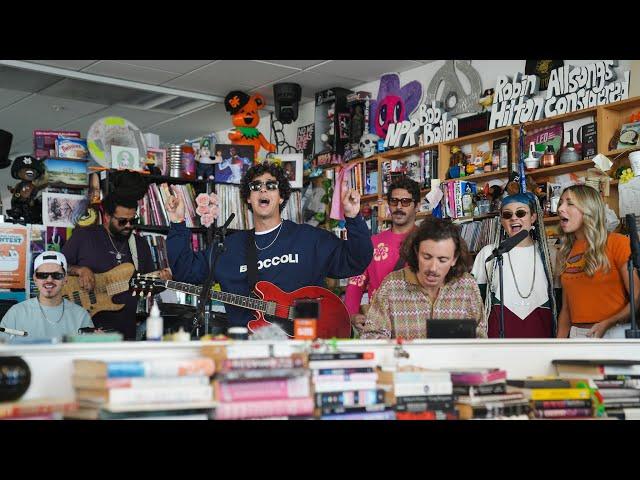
[[155, 324]]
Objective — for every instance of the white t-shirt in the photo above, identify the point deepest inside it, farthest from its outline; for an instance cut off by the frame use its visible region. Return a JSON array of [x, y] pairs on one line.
[[521, 259]]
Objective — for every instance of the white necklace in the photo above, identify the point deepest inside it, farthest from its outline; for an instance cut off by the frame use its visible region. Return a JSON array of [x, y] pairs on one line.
[[274, 240], [118, 254], [44, 315], [533, 281]]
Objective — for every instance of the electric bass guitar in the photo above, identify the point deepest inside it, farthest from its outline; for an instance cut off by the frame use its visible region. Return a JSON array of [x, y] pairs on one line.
[[108, 284], [273, 305]]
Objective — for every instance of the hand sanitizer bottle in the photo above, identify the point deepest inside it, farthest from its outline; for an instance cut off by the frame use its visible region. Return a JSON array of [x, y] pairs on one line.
[[154, 324]]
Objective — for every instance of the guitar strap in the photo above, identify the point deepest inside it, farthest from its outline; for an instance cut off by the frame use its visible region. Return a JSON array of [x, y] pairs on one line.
[[134, 250], [252, 259], [399, 264]]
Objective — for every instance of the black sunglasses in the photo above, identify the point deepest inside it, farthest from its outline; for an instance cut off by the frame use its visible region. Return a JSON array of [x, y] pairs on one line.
[[123, 221], [404, 201], [519, 213], [256, 185], [54, 275]]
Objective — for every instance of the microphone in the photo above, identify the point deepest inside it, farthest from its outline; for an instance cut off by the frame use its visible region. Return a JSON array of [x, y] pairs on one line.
[[633, 236], [11, 331], [508, 244]]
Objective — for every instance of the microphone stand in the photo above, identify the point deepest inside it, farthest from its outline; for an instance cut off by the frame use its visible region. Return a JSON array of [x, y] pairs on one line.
[[633, 332], [219, 236], [498, 256]]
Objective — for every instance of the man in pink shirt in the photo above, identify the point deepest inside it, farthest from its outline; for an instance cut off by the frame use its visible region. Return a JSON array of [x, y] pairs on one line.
[[404, 200]]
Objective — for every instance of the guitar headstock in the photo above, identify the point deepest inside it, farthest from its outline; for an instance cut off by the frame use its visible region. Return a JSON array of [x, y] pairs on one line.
[[146, 284]]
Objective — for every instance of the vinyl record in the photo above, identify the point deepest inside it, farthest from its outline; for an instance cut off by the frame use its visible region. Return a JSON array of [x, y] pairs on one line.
[[109, 131]]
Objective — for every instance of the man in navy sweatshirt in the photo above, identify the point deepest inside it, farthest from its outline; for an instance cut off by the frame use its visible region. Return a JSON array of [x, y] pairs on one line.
[[289, 255]]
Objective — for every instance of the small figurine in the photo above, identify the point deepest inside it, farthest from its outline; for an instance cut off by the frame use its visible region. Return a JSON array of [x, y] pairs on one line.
[[205, 162], [245, 118]]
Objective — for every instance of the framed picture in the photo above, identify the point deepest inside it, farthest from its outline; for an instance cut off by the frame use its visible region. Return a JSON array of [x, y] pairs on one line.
[[125, 158], [157, 157], [62, 209], [235, 161], [292, 166], [66, 173]]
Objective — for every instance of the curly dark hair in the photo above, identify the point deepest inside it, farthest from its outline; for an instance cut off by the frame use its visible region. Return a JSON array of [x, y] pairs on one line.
[[112, 201], [259, 169], [437, 229], [409, 185]]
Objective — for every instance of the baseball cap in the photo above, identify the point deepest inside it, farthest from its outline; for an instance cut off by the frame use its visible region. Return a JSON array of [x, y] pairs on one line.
[[50, 257]]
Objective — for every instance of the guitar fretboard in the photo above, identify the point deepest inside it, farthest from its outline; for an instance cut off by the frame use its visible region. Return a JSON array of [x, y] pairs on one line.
[[224, 297]]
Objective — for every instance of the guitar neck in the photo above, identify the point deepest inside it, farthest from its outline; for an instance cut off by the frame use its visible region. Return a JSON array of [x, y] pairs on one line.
[[224, 297]]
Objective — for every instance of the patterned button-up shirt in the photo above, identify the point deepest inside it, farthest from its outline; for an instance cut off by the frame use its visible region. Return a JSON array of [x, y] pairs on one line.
[[402, 306]]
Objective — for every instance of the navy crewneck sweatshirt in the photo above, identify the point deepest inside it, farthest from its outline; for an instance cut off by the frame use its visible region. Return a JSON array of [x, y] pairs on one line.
[[300, 256]]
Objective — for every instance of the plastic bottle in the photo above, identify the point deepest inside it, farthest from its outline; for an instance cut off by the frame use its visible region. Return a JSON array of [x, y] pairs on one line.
[[155, 325]]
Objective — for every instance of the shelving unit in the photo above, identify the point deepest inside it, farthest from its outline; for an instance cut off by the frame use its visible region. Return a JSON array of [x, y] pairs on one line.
[[561, 169]]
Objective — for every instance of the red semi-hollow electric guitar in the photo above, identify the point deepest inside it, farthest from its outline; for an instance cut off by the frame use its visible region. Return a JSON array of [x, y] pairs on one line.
[[272, 306]]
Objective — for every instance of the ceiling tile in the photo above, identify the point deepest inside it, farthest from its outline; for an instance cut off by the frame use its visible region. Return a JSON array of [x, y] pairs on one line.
[[425, 61], [297, 63], [10, 96], [176, 66], [21, 148], [36, 113], [365, 70], [25, 80], [243, 73], [140, 118], [210, 79], [202, 122], [92, 92], [312, 82], [135, 73], [267, 93], [70, 64]]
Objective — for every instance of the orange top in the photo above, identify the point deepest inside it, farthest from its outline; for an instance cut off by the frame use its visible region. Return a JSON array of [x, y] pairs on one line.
[[592, 299]]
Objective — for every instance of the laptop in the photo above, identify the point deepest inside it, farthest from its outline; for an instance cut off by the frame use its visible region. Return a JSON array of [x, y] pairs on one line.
[[445, 328]]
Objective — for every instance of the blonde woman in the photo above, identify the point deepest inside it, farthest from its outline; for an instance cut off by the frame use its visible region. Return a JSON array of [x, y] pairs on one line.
[[595, 281]]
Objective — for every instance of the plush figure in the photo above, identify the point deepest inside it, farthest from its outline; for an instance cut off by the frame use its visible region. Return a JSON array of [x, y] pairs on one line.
[[245, 119], [25, 207], [27, 167], [205, 162]]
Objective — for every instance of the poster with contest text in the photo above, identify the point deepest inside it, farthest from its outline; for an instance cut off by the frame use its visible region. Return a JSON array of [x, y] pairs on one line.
[[13, 256]]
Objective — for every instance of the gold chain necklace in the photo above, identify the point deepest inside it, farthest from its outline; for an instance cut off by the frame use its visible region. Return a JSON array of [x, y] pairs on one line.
[[533, 281]]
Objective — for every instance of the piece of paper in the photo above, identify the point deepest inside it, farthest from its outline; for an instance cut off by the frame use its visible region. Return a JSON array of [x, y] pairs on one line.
[[629, 197], [602, 162]]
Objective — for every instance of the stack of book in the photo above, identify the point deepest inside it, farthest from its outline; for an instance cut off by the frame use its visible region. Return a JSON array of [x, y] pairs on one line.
[[270, 387], [552, 397], [618, 383], [159, 388], [418, 393], [345, 387], [482, 393], [37, 409]]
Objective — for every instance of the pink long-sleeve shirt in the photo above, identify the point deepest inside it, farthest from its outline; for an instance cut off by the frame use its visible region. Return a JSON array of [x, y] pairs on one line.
[[386, 252]]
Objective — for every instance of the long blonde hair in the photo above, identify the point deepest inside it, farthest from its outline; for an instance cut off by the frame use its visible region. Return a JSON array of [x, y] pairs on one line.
[[589, 202]]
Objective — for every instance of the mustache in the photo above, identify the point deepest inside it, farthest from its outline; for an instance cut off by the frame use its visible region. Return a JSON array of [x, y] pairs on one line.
[[399, 212]]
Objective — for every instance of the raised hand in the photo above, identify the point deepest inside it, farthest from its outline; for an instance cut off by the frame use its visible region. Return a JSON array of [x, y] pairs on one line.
[[350, 200], [175, 209]]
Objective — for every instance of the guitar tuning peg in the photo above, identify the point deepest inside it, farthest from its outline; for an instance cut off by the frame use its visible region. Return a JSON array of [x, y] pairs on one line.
[[133, 294]]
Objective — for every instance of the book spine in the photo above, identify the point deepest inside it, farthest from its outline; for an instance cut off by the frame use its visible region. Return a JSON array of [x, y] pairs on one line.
[[414, 377], [162, 368], [333, 410], [342, 356], [261, 374], [422, 406], [560, 394], [262, 390], [255, 363], [562, 412], [17, 410], [264, 408], [552, 404], [383, 415], [477, 378], [354, 377], [139, 382], [324, 364], [489, 389], [344, 386], [433, 388], [428, 415], [492, 411], [132, 396], [350, 399], [342, 371]]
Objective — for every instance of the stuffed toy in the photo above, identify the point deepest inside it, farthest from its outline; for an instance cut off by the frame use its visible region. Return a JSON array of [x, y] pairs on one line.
[[25, 207], [245, 119]]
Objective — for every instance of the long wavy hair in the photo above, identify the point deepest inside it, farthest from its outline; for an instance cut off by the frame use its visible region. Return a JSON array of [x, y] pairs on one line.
[[589, 202]]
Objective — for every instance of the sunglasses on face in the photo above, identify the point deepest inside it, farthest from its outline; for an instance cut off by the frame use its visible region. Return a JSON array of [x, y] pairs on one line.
[[54, 275], [256, 185], [123, 221], [519, 213], [404, 201]]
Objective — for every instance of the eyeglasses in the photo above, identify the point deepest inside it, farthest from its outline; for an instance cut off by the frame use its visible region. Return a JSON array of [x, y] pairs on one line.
[[404, 201], [519, 213], [123, 221], [54, 275], [256, 185]]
